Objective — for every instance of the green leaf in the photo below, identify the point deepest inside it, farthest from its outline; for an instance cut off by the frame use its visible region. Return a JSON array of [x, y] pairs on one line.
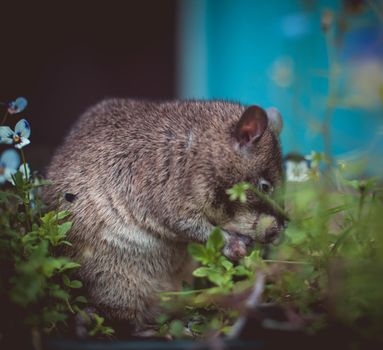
[[253, 260], [176, 328], [296, 235], [5, 197], [240, 270], [60, 294], [198, 252], [238, 192], [218, 278], [227, 264], [81, 299], [71, 284], [64, 228], [54, 316], [51, 265], [215, 241], [162, 318], [201, 272], [76, 284], [70, 265], [62, 214]]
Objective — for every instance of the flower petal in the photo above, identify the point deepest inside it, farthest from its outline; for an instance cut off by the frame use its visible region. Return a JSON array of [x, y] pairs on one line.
[[2, 179], [22, 170], [8, 175], [10, 159], [23, 129], [23, 142], [6, 133], [6, 141], [17, 105]]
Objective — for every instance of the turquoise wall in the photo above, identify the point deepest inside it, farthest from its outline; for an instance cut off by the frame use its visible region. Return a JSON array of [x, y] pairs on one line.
[[274, 53]]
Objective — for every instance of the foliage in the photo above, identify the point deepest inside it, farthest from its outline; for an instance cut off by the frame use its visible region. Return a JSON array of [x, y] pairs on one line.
[[326, 270], [204, 309], [38, 290]]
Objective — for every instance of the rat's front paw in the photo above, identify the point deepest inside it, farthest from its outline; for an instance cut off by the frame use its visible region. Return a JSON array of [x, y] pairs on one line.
[[236, 246]]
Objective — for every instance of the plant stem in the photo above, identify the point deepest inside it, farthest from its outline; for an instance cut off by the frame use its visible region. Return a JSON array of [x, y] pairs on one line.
[[274, 205], [362, 197], [184, 292], [28, 199], [331, 97], [24, 164], [287, 262], [4, 118]]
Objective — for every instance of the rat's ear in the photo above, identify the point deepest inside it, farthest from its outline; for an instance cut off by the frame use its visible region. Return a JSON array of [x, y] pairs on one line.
[[275, 120], [251, 126]]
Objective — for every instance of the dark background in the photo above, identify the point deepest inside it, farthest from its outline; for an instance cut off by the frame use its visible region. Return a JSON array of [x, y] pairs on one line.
[[65, 56]]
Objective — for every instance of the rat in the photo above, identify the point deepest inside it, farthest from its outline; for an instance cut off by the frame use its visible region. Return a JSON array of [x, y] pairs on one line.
[[146, 178]]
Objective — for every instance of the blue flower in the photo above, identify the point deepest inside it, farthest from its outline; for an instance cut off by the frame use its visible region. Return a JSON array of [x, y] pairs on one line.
[[9, 162], [17, 105], [19, 137]]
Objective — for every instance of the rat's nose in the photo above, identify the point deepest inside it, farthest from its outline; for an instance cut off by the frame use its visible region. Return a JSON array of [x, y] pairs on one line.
[[271, 234]]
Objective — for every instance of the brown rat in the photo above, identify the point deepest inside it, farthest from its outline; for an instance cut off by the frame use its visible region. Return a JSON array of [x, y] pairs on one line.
[[148, 178]]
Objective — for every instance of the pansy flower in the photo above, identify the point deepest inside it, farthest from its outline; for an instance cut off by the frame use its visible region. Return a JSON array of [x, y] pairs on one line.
[[19, 137], [17, 105], [9, 162]]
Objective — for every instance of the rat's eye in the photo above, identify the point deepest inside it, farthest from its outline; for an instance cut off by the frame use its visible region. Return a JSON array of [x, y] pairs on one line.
[[264, 185]]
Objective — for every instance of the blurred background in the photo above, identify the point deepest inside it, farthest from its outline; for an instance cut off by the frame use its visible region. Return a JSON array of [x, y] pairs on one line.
[[320, 62]]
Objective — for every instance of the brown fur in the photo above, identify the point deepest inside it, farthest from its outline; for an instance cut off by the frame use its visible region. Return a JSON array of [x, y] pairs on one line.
[[148, 179]]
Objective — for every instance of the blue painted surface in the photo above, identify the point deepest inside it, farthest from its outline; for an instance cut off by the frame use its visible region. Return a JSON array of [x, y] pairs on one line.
[[230, 50]]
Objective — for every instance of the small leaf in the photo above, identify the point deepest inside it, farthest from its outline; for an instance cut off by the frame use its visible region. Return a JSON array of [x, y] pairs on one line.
[[64, 228], [176, 328], [201, 272], [75, 284], [62, 214], [60, 294], [240, 270], [296, 235], [66, 280], [238, 192], [227, 264], [70, 265], [218, 278], [215, 241], [81, 299], [198, 252], [5, 197]]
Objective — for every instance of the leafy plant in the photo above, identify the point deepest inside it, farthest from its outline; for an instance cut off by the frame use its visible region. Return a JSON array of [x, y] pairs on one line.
[[38, 289], [205, 310], [325, 271]]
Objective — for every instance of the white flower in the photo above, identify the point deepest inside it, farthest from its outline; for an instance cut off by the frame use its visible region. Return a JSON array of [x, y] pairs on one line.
[[9, 162], [22, 171], [297, 171], [19, 137]]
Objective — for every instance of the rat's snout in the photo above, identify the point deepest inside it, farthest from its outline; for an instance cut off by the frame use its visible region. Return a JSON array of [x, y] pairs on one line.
[[260, 227], [267, 228], [271, 234]]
